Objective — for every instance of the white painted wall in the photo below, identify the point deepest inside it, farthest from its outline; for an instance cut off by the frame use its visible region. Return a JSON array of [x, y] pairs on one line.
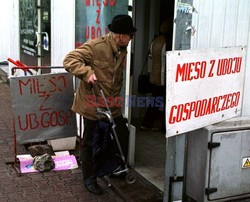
[[5, 31], [62, 30], [14, 31], [5, 16], [221, 23], [9, 29]]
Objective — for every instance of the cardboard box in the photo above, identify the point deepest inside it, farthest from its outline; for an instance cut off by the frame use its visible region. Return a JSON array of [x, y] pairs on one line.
[[68, 143]]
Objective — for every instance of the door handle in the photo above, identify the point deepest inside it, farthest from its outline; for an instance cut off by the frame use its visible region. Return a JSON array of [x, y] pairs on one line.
[[45, 40], [192, 29]]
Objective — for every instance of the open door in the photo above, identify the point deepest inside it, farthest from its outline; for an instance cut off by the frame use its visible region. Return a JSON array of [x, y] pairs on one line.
[[150, 146], [175, 146]]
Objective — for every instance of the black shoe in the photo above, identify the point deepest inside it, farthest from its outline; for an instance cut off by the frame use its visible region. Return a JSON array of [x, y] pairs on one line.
[[94, 188]]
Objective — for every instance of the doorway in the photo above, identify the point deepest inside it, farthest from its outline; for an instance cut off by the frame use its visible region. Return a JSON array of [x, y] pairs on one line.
[[150, 146], [35, 32]]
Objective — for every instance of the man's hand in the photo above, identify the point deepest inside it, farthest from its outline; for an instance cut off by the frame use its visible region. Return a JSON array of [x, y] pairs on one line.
[[92, 79]]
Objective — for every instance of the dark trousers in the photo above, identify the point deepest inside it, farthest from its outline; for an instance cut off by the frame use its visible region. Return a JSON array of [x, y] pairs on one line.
[[87, 162], [153, 113]]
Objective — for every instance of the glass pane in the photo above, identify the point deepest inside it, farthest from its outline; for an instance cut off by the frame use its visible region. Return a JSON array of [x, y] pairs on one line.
[[28, 29], [92, 17], [183, 21]]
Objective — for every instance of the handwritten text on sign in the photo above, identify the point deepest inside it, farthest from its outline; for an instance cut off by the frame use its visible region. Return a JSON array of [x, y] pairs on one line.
[[203, 87], [41, 106]]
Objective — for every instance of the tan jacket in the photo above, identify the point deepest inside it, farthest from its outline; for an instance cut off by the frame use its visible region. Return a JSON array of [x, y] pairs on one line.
[[158, 53], [99, 56]]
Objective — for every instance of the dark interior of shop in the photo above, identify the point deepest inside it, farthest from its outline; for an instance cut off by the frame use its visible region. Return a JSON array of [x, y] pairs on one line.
[[150, 146]]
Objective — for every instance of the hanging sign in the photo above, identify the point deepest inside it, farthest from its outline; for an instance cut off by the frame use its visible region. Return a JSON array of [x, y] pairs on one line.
[[42, 107], [203, 87]]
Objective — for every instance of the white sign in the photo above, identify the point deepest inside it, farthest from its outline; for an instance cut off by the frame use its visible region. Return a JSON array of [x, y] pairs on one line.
[[203, 87]]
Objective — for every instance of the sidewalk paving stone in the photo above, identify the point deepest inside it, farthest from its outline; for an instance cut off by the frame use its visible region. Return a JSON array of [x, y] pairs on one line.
[[53, 186]]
